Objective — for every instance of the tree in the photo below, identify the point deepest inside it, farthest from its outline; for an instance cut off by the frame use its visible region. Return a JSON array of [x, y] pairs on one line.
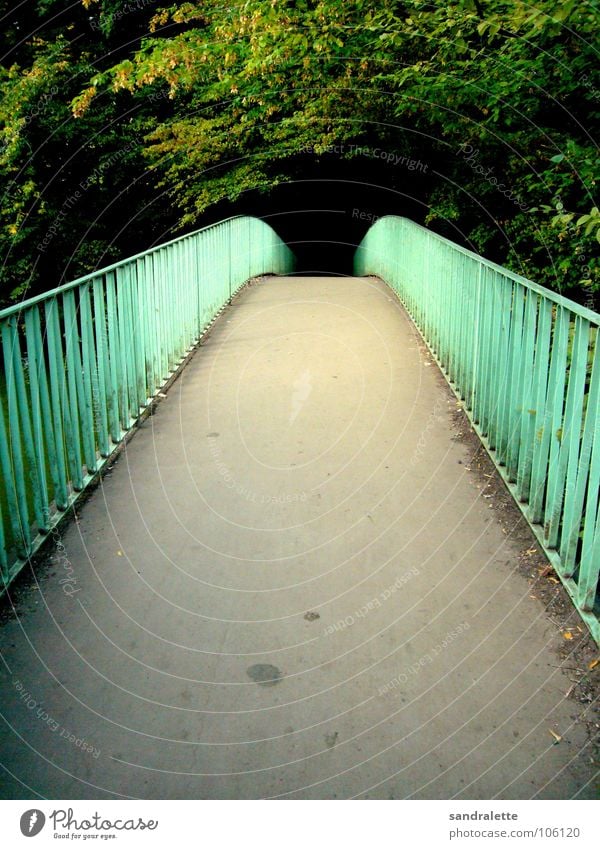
[[74, 190], [497, 96]]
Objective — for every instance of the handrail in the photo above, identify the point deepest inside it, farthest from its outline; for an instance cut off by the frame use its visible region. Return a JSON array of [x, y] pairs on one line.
[[71, 284], [526, 363], [512, 275], [83, 361]]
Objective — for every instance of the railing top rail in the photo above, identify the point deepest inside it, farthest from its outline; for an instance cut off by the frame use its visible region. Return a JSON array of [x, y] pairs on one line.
[[560, 300], [51, 293]]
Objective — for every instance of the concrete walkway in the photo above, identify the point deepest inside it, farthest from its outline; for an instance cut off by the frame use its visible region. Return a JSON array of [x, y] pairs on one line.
[[290, 585]]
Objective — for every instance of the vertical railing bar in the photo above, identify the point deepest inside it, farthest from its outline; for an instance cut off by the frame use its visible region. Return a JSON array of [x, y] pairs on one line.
[[515, 410], [73, 373], [153, 315], [127, 340], [90, 381], [527, 389], [35, 352], [83, 368], [101, 370], [57, 374], [15, 471], [125, 345], [541, 372], [548, 446], [25, 426], [589, 568], [579, 470], [4, 563], [36, 416], [167, 351], [113, 386], [504, 370], [144, 301], [475, 393], [570, 431], [10, 488]]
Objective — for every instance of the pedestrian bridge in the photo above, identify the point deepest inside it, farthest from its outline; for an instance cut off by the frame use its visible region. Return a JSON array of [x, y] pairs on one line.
[[269, 536]]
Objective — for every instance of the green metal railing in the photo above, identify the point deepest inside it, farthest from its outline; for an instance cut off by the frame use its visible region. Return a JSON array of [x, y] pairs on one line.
[[82, 361], [526, 364]]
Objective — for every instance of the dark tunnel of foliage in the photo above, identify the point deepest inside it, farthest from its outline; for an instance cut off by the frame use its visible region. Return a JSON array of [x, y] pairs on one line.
[[125, 123]]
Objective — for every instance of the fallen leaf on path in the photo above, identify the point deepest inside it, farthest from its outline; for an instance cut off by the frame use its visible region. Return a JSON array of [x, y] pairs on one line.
[[557, 737]]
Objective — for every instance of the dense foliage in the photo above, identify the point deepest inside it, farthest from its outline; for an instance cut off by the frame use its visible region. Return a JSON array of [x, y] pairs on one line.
[[161, 112]]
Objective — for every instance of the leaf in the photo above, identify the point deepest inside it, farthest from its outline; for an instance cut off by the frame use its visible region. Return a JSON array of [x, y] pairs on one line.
[[557, 737], [558, 158], [567, 635], [594, 663]]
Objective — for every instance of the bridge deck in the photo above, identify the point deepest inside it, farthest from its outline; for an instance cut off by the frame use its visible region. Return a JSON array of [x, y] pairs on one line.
[[291, 584]]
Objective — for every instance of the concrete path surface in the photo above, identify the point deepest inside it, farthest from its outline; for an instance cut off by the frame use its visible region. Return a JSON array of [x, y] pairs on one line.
[[290, 585]]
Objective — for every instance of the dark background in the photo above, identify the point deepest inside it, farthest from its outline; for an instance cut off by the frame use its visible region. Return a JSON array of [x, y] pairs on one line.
[[318, 212]]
